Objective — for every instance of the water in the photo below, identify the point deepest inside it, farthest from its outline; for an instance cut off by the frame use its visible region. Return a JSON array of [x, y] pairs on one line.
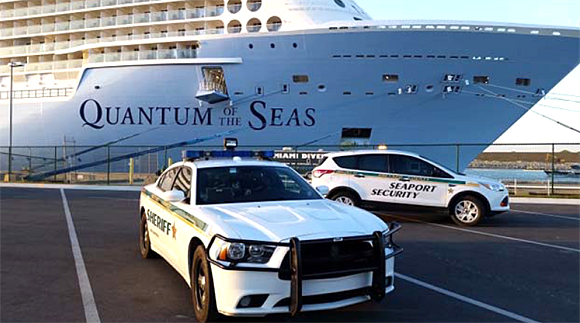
[[509, 175]]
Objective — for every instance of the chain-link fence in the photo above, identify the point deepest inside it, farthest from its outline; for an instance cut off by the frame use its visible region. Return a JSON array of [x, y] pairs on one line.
[[527, 169]]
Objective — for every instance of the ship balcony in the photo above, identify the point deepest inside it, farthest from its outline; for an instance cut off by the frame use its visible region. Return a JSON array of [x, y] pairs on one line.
[[142, 55]]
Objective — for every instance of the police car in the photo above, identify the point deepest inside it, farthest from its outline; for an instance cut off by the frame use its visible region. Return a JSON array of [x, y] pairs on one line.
[[395, 177], [251, 237]]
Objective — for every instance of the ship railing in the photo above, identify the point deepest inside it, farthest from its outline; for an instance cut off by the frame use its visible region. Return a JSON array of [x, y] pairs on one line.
[[38, 93]]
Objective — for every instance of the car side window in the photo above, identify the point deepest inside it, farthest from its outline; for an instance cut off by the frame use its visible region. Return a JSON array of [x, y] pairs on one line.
[[183, 181], [348, 162], [373, 163], [407, 165], [166, 181]]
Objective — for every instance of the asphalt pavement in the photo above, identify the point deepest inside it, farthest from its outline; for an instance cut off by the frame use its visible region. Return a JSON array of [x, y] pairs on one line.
[[522, 266]]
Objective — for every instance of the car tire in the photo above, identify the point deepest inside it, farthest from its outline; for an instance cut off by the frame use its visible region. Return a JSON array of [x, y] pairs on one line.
[[202, 291], [346, 197], [467, 211], [144, 240]]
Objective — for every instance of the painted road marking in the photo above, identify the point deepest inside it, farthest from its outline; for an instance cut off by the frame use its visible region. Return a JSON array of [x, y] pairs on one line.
[[550, 215], [487, 234], [466, 299], [91, 313]]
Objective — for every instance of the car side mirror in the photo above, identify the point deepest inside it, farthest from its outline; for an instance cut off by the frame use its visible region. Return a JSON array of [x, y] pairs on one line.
[[173, 196], [323, 189]]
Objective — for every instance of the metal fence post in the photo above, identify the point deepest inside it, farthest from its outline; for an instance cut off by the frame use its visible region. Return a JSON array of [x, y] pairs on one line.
[[553, 167], [165, 166], [29, 161], [131, 170], [108, 165], [457, 158], [55, 161]]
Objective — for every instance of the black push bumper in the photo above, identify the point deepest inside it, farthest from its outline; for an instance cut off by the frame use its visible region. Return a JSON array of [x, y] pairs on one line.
[[297, 276]]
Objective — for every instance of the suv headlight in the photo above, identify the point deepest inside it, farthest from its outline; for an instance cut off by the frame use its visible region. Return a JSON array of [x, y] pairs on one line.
[[497, 187], [243, 252]]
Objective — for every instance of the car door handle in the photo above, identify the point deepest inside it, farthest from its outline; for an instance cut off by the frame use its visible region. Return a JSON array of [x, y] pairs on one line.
[[359, 176], [404, 179]]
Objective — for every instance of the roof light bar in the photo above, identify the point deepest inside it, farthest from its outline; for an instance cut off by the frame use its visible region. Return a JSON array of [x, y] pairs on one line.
[[197, 154]]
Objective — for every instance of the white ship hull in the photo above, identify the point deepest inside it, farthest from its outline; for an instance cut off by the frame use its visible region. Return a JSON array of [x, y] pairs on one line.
[[345, 89]]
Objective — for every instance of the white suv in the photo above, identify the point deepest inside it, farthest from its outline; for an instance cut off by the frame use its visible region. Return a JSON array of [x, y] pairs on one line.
[[394, 177]]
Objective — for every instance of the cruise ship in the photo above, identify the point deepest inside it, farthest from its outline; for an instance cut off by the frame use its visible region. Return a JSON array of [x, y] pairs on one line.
[[280, 73]]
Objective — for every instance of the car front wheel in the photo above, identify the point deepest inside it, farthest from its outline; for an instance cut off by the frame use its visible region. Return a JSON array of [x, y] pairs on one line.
[[144, 239], [202, 291], [467, 211]]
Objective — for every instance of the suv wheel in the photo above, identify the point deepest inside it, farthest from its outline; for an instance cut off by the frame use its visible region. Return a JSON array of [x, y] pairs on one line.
[[346, 197], [467, 211]]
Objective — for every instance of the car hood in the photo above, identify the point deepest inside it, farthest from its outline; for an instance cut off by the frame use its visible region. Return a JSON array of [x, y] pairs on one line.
[[477, 179], [306, 220]]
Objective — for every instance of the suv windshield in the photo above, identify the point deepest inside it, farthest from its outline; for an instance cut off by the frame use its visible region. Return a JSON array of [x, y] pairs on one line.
[[239, 184]]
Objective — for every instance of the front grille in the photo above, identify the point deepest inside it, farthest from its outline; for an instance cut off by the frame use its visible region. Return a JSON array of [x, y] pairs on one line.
[[328, 259], [327, 298]]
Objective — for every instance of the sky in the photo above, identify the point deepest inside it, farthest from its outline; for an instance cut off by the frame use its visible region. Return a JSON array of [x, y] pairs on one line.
[[531, 128]]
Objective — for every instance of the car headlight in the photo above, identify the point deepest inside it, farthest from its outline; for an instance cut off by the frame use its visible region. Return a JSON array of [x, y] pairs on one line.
[[497, 187], [242, 252]]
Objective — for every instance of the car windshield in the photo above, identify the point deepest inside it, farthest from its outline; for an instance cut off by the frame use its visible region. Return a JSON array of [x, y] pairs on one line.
[[240, 184]]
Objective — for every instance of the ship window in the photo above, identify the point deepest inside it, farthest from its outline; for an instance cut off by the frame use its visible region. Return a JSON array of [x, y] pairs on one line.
[[254, 5], [300, 78], [234, 6], [339, 3], [214, 79], [357, 18], [523, 82], [285, 88], [254, 25], [481, 79], [391, 78], [274, 24], [272, 45], [259, 90], [234, 27]]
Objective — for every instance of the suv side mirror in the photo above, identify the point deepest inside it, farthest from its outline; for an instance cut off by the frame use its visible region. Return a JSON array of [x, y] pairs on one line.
[[173, 196], [323, 189]]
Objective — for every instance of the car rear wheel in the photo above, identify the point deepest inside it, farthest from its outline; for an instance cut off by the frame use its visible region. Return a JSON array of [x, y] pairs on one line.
[[346, 197], [144, 240], [467, 211], [202, 291]]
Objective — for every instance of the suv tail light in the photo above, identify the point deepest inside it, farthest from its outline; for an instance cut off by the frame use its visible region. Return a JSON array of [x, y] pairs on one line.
[[318, 173]]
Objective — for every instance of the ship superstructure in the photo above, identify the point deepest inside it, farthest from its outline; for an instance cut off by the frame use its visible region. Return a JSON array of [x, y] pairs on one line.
[[277, 72]]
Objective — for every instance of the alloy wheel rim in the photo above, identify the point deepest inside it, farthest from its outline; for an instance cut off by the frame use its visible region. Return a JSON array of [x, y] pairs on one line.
[[466, 211], [201, 280], [344, 200]]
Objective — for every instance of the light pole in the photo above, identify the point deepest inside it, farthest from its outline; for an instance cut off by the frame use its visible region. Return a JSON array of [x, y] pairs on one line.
[[12, 65]]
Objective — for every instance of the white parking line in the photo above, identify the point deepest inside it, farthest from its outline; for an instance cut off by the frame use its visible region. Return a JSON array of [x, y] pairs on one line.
[[91, 313], [550, 215], [488, 234], [466, 299]]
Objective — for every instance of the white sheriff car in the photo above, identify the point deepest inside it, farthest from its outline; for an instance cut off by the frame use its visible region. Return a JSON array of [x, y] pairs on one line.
[[251, 237], [395, 177]]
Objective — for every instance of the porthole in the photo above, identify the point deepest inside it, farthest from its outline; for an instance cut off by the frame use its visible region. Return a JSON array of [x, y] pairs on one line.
[[274, 24], [340, 3], [254, 5], [251, 46], [272, 45], [321, 88], [234, 27], [429, 88], [254, 25], [295, 45], [234, 6]]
